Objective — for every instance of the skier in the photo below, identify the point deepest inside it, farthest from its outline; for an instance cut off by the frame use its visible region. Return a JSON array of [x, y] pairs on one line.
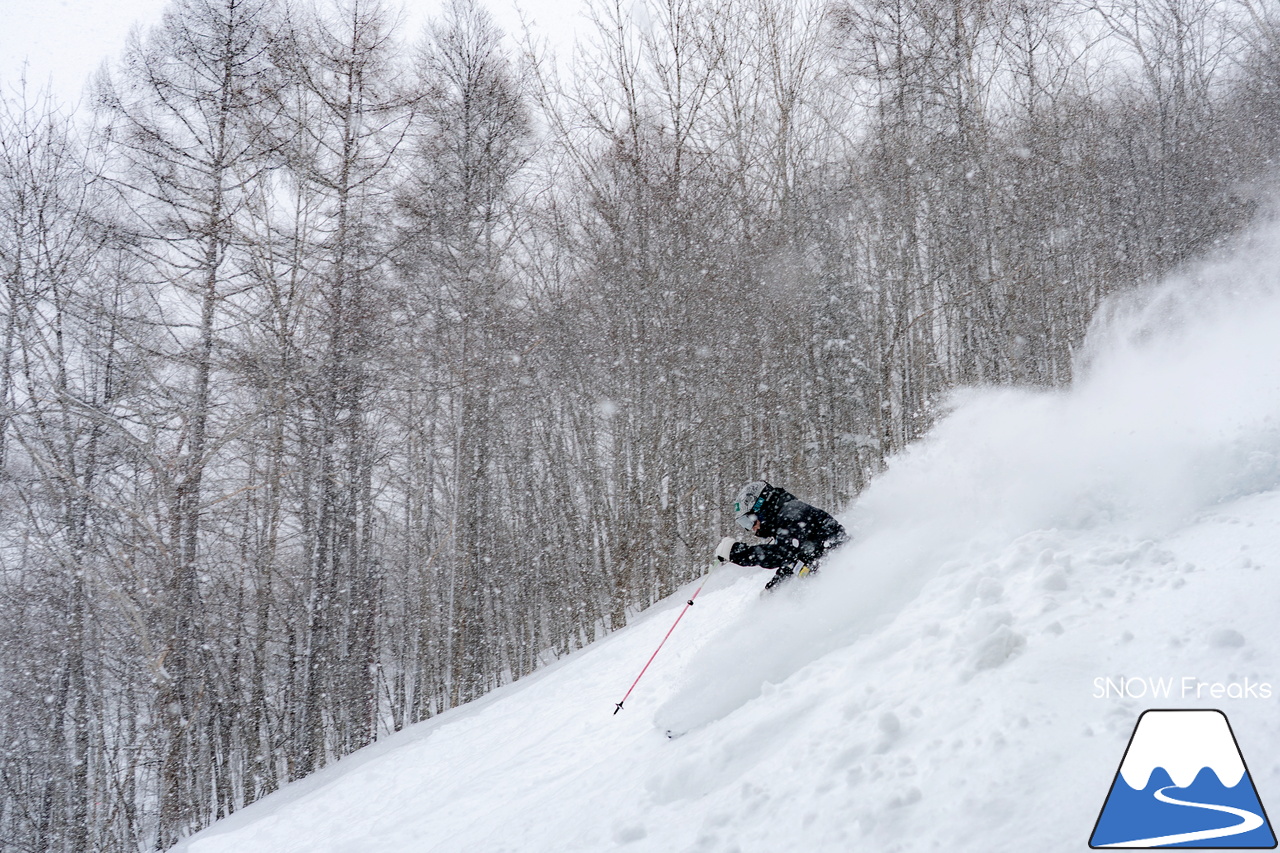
[[801, 534]]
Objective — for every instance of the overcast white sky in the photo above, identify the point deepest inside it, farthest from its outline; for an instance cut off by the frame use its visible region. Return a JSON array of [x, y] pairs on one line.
[[63, 42]]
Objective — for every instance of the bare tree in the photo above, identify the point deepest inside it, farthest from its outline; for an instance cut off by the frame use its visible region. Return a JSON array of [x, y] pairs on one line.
[[1180, 48], [470, 143], [188, 148], [345, 122], [66, 366]]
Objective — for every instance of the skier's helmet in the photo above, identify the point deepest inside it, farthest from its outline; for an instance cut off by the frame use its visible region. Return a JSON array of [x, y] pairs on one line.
[[747, 505]]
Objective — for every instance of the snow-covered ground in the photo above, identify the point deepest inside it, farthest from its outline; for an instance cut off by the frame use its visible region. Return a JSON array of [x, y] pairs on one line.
[[949, 682]]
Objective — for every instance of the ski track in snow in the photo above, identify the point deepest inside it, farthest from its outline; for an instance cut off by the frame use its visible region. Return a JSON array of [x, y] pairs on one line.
[[933, 688]]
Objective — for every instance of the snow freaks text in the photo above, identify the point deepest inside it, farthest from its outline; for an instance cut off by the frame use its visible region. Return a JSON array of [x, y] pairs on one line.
[[1174, 687]]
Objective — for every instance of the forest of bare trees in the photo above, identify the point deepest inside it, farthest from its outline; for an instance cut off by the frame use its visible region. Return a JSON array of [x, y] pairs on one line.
[[347, 373]]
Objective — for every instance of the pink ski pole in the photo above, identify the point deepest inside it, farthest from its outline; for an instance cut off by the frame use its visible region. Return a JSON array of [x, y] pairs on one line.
[[664, 641]]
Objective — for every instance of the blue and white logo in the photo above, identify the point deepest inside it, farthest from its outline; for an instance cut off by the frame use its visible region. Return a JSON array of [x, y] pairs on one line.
[[1183, 783]]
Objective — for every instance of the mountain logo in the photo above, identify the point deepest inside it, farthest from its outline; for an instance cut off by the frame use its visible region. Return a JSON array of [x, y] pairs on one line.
[[1183, 783]]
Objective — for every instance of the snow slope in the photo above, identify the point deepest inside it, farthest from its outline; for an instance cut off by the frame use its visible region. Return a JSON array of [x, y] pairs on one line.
[[965, 676]]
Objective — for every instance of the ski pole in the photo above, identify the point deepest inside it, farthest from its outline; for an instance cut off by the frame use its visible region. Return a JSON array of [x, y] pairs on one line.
[[664, 641]]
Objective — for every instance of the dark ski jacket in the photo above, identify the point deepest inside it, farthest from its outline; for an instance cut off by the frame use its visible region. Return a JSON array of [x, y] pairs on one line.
[[800, 533]]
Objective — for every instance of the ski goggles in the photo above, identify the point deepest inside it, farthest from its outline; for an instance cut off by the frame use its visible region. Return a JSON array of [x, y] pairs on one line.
[[746, 516]]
